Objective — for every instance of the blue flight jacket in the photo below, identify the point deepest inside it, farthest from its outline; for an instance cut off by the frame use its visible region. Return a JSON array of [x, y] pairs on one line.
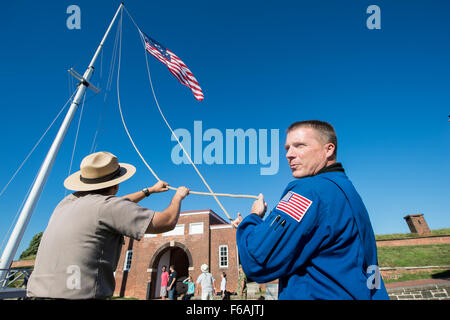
[[329, 254]]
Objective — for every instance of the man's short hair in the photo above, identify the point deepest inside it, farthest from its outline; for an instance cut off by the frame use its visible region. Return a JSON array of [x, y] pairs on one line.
[[325, 130], [104, 191]]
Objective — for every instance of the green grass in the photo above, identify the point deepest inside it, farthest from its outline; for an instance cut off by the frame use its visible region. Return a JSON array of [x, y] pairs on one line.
[[414, 256], [437, 232], [435, 274], [30, 257]]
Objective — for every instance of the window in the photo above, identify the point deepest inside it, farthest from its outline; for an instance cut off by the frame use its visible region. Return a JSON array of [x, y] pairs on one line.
[[150, 235], [127, 262], [223, 256], [196, 228]]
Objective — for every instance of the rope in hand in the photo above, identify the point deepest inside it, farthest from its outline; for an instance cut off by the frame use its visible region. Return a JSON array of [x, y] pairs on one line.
[[211, 193]]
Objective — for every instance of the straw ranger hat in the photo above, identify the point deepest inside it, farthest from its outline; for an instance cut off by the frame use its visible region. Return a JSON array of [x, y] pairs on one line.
[[99, 170]]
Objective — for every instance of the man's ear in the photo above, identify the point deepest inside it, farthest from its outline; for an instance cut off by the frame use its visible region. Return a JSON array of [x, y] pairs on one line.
[[330, 147]]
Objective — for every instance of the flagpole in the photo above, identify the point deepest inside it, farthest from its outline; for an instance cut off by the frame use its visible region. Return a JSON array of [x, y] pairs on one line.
[[44, 171]]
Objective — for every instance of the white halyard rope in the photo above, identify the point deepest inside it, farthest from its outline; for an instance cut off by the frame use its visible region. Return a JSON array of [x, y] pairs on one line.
[[211, 193]]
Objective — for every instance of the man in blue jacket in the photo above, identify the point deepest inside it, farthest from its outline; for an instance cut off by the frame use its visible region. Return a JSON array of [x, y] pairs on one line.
[[318, 240]]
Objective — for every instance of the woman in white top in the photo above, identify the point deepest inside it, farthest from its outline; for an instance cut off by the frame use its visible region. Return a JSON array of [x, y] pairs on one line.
[[223, 287]]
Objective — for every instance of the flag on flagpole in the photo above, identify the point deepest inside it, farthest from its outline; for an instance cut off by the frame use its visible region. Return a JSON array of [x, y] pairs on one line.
[[175, 65]]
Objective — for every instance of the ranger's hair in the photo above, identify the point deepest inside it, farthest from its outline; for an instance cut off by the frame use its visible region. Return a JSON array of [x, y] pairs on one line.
[[104, 191], [325, 130]]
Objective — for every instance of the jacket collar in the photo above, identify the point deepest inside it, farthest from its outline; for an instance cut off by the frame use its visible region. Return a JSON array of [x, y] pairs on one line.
[[335, 167]]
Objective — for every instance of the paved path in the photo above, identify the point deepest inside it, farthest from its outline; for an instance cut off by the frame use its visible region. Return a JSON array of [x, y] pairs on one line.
[[424, 289]]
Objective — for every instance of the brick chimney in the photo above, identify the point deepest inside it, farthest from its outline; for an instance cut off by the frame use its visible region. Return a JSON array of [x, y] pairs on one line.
[[417, 224]]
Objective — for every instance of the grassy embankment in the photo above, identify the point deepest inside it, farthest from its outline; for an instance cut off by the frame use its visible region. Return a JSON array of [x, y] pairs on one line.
[[415, 256]]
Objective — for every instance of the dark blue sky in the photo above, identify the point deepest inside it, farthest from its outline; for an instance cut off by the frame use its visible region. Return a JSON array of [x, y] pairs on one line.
[[261, 65]]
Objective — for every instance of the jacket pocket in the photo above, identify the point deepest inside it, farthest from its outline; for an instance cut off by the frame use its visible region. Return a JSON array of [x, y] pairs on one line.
[[266, 248]]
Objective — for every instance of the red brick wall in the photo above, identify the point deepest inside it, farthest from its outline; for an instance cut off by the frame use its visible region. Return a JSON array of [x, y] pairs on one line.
[[22, 263], [417, 224], [224, 237], [414, 241], [203, 248]]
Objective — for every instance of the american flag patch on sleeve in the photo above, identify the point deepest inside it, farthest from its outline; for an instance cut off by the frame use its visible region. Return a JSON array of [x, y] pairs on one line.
[[294, 205]]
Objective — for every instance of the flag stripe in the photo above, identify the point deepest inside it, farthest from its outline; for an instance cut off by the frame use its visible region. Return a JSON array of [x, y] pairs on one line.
[[302, 199], [294, 205], [288, 211], [299, 204], [292, 209], [175, 65]]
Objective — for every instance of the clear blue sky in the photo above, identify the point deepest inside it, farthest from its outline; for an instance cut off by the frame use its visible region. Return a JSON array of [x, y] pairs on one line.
[[262, 65]]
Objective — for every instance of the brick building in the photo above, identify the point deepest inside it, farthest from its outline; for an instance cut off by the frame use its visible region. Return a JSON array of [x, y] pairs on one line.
[[199, 237], [417, 224]]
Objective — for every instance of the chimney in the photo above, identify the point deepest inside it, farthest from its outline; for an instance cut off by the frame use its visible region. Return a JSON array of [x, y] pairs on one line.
[[417, 224]]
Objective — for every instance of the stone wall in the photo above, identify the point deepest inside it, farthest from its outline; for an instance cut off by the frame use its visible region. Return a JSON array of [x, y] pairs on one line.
[[432, 291]]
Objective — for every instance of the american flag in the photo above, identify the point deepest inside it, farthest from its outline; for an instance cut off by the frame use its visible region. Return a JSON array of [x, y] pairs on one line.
[[294, 205], [175, 65]]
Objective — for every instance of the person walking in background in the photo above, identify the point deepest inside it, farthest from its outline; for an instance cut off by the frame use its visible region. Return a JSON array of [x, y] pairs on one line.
[[242, 284], [191, 288], [172, 288], [164, 281], [223, 287], [207, 283]]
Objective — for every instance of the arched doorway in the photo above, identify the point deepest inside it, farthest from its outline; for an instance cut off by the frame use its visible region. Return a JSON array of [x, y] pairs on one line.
[[176, 254]]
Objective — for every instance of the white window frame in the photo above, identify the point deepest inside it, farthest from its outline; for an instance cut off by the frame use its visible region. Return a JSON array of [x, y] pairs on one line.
[[177, 231], [221, 265], [194, 230], [127, 260], [150, 235]]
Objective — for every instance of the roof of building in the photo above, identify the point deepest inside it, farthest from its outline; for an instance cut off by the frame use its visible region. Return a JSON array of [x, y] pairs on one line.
[[217, 219]]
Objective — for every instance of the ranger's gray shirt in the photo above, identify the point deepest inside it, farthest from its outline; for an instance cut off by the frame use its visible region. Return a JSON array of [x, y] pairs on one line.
[[80, 248]]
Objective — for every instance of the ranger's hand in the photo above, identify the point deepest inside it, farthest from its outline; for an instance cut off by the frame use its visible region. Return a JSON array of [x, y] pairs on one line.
[[160, 186], [182, 192]]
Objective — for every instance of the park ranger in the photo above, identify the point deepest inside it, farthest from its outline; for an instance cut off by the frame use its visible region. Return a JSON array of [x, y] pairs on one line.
[[318, 240], [81, 245]]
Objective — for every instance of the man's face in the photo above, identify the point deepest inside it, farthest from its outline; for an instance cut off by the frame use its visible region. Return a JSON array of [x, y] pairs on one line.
[[306, 153]]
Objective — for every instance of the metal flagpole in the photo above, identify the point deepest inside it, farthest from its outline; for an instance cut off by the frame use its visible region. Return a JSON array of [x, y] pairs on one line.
[[25, 214]]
